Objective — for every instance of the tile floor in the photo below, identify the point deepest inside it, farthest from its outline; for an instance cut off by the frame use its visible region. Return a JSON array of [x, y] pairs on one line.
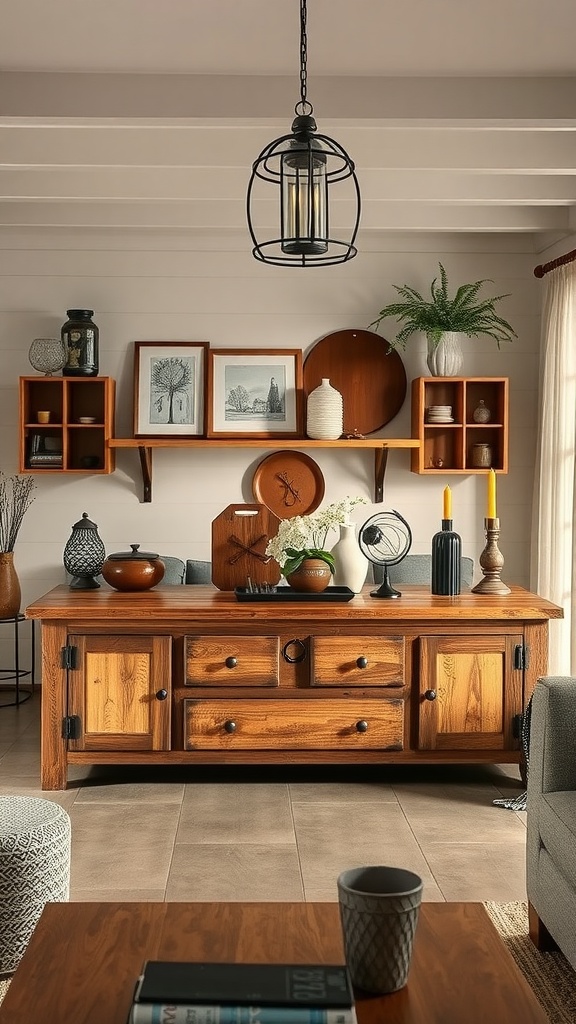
[[274, 833]]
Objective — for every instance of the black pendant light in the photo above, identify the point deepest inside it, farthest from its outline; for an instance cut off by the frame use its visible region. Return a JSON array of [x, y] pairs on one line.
[[304, 166]]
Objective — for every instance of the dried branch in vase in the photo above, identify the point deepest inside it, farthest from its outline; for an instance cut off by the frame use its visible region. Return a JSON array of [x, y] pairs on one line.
[[16, 496]]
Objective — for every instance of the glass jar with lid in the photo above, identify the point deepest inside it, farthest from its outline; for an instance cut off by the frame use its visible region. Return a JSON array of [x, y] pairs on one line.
[[80, 338]]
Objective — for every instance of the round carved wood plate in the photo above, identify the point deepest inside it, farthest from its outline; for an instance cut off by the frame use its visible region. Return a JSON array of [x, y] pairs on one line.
[[368, 374], [289, 483]]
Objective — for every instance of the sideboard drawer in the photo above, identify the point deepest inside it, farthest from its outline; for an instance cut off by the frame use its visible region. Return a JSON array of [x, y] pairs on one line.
[[357, 661], [293, 724], [232, 660]]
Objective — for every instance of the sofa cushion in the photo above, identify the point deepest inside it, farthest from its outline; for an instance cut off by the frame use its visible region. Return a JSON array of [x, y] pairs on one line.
[[558, 830], [198, 571]]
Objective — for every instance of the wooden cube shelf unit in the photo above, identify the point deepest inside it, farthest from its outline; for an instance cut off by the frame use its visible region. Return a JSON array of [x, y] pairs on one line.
[[448, 447], [65, 444]]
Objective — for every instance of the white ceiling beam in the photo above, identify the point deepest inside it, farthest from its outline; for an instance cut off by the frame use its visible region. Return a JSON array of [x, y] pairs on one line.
[[187, 145], [219, 214], [194, 183]]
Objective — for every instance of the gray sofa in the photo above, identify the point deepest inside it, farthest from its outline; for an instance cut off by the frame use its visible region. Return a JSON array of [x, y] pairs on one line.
[[551, 837]]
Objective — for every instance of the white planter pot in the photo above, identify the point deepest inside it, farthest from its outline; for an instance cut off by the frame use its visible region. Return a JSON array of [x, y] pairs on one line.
[[445, 358]]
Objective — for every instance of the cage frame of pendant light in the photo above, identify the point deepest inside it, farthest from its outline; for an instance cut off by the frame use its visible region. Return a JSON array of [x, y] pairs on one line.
[[306, 145]]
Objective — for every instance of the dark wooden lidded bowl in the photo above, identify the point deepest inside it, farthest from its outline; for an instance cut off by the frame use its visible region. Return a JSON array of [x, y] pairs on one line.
[[133, 570]]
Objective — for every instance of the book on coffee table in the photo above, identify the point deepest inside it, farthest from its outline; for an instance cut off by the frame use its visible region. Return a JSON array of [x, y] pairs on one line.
[[227, 993]]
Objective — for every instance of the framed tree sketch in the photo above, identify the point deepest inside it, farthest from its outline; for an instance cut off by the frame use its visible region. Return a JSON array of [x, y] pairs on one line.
[[255, 392], [170, 388]]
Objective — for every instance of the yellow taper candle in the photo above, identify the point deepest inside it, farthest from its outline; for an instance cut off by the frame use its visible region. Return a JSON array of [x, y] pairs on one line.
[[491, 507], [447, 503]]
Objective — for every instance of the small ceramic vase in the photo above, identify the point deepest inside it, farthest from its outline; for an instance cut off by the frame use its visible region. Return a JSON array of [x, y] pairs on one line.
[[324, 412], [481, 413]]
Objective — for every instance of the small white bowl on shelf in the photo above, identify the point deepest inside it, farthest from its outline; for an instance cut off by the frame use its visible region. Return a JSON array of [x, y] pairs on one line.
[[86, 419]]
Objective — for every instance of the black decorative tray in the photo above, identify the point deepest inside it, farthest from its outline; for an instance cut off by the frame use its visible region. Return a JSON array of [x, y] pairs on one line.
[[287, 594]]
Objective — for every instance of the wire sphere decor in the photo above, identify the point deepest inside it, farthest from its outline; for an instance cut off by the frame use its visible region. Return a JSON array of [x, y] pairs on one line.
[[385, 539]]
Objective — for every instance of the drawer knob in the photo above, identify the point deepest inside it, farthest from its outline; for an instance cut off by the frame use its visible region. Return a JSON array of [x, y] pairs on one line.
[[229, 726], [362, 726], [430, 695], [161, 694], [231, 662], [362, 662]]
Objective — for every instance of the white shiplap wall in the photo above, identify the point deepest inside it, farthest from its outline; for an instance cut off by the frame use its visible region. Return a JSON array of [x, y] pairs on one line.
[[171, 286]]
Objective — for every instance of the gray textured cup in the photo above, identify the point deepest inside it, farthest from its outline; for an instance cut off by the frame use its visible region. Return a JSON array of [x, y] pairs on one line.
[[379, 912]]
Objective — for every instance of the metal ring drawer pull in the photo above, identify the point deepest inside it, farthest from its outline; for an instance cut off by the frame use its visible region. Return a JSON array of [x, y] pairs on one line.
[[301, 651], [229, 726], [362, 662], [231, 662], [362, 726]]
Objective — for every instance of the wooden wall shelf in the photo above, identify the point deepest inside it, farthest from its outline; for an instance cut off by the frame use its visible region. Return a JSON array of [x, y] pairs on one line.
[[448, 447], [379, 445]]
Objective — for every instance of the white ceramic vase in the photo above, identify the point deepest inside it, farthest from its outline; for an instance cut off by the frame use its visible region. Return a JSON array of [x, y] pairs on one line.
[[324, 412], [350, 565], [445, 358]]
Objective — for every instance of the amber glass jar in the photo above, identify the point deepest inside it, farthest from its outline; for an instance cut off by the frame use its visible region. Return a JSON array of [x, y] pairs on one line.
[[80, 337]]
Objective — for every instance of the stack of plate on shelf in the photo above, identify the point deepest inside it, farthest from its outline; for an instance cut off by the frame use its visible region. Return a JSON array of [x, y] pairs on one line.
[[440, 414]]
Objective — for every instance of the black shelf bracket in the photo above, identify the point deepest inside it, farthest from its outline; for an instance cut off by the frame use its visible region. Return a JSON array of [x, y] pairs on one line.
[[380, 463], [146, 467]]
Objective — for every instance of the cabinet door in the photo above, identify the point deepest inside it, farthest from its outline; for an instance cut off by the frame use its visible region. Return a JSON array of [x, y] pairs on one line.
[[470, 692], [120, 690]]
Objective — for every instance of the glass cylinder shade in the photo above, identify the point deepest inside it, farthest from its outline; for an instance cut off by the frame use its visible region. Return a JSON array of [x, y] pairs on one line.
[[304, 202], [84, 554], [47, 355]]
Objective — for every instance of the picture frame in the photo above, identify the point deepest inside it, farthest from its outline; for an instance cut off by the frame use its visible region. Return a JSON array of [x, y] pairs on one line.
[[170, 388], [255, 392]]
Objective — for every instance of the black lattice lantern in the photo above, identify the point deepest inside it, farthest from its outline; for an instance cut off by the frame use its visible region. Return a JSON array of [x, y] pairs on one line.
[[84, 554]]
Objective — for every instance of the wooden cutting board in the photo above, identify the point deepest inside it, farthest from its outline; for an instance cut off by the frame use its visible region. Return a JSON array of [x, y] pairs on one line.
[[240, 535], [369, 375]]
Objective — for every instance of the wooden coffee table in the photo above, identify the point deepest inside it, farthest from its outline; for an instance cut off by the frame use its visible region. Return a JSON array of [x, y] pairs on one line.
[[83, 959]]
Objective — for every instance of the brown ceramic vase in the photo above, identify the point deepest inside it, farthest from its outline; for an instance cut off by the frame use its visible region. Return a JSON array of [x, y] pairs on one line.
[[10, 595]]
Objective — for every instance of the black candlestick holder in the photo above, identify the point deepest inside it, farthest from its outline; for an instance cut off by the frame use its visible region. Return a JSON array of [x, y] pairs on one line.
[[491, 562], [446, 556]]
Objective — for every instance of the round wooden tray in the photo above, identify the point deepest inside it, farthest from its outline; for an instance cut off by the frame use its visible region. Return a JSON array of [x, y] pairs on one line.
[[368, 374], [289, 483]]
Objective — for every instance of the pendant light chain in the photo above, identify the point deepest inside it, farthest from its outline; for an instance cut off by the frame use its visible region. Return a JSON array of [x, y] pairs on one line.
[[303, 107]]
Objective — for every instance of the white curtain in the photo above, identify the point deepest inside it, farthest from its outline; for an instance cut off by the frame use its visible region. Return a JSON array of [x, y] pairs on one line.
[[554, 536]]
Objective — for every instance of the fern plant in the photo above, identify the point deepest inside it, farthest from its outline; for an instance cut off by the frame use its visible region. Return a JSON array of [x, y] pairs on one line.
[[464, 313]]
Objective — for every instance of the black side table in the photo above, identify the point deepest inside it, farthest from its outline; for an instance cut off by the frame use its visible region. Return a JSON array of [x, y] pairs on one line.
[[16, 673]]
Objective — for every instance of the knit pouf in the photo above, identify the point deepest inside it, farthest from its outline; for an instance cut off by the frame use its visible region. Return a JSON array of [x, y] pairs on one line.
[[34, 869]]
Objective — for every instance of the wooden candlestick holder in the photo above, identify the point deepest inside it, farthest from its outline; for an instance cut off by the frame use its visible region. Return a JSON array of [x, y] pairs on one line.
[[491, 562]]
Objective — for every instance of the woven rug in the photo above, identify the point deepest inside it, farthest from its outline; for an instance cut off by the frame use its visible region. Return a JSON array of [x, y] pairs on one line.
[[549, 975]]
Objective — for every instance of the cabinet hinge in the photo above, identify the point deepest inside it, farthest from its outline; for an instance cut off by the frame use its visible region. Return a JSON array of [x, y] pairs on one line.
[[71, 727], [521, 656], [69, 656]]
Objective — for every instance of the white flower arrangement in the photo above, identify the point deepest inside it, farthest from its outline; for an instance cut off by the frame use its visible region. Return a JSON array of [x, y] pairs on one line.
[[306, 536]]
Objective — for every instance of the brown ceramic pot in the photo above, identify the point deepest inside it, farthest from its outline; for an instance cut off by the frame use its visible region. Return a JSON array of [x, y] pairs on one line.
[[311, 577], [133, 570]]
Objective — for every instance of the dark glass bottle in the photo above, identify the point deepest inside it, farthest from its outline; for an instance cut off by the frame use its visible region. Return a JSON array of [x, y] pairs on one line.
[[80, 337]]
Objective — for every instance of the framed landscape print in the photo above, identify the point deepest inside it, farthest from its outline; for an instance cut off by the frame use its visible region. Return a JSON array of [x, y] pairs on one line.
[[170, 388], [255, 392]]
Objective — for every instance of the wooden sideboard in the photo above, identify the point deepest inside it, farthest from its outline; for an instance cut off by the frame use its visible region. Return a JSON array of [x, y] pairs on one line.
[[190, 675]]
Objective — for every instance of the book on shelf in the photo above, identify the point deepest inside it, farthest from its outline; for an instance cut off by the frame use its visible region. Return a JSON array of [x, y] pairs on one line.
[[229, 993]]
